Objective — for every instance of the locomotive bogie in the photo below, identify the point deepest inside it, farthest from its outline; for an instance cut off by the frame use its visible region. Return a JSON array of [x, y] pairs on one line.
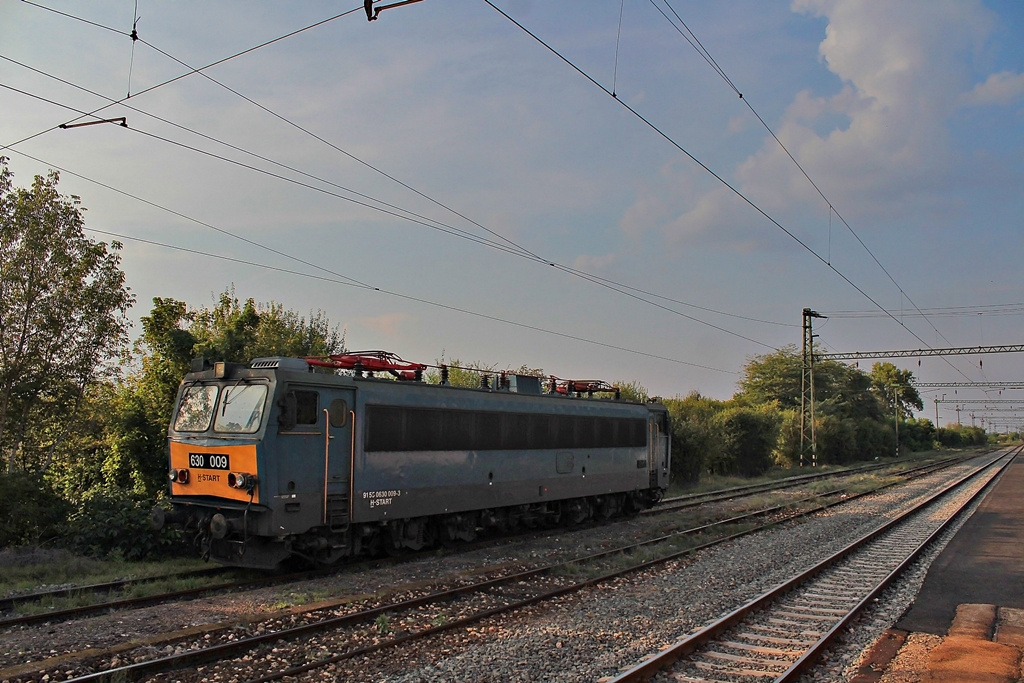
[[272, 461]]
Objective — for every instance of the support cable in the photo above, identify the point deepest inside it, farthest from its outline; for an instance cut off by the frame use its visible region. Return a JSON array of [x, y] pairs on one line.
[[351, 281], [610, 284], [701, 164], [415, 218], [697, 45]]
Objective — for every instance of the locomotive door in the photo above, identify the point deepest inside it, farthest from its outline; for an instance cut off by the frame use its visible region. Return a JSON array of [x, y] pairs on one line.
[[657, 448], [338, 449]]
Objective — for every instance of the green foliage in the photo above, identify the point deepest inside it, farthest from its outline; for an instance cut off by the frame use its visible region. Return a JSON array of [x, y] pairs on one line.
[[62, 316], [844, 440], [787, 448], [463, 375], [917, 435], [895, 389], [30, 511], [633, 391], [694, 442], [777, 377], [773, 377], [236, 331], [747, 438], [956, 436], [114, 522]]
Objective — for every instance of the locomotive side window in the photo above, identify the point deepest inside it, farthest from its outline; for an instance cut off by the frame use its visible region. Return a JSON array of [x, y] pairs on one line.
[[307, 404], [241, 409], [338, 412], [196, 408], [394, 428]]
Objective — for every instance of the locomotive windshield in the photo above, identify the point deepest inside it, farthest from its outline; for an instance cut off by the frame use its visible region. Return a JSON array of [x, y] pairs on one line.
[[236, 409]]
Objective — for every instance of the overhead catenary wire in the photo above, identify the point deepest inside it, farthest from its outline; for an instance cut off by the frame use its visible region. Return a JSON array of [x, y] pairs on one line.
[[626, 290], [135, 38], [604, 282], [346, 280], [201, 71], [729, 186], [616, 286], [420, 300], [686, 152], [174, 79], [397, 215], [692, 39]]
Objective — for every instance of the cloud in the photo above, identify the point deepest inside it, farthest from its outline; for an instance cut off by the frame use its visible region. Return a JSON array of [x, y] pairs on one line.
[[389, 325], [880, 146], [590, 263], [1002, 88]]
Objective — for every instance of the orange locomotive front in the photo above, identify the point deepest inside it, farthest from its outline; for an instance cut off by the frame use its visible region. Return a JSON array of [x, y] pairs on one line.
[[227, 471]]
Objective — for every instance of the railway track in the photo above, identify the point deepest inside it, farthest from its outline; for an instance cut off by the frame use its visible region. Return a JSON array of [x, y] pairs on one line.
[[694, 499], [349, 631], [38, 607], [778, 635]]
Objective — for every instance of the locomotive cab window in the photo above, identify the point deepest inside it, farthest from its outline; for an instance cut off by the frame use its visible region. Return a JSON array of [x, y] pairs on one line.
[[241, 409], [196, 408]]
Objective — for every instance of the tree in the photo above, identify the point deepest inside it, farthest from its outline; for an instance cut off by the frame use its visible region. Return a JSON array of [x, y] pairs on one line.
[[694, 441], [774, 377], [461, 375], [748, 437], [134, 445], [778, 377], [236, 331], [63, 313], [895, 389]]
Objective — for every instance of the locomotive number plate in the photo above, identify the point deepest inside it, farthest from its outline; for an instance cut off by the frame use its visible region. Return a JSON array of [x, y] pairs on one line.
[[208, 461]]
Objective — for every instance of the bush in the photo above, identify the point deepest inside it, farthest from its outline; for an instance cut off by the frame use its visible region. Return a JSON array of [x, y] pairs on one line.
[[875, 439], [748, 438], [956, 436], [690, 443], [917, 435], [30, 512], [114, 522], [787, 447], [694, 441], [837, 440]]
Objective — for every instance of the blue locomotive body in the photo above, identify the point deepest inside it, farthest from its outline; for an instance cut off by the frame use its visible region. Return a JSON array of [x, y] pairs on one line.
[[272, 460]]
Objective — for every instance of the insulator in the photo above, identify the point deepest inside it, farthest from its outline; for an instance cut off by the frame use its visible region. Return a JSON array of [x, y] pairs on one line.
[[444, 374]]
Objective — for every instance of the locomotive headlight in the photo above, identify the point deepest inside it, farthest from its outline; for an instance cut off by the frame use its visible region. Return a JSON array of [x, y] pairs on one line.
[[178, 476], [241, 480]]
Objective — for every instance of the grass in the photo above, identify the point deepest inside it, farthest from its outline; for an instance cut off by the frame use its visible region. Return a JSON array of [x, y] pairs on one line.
[[715, 482], [299, 598], [33, 569]]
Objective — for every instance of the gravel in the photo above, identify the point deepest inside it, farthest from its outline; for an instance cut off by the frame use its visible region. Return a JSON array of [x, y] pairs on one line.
[[584, 637]]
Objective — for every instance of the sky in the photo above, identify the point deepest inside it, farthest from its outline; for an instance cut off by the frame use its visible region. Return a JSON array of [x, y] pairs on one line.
[[634, 191]]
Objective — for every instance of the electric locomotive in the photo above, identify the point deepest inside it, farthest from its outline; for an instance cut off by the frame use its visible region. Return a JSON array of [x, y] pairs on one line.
[[290, 457]]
